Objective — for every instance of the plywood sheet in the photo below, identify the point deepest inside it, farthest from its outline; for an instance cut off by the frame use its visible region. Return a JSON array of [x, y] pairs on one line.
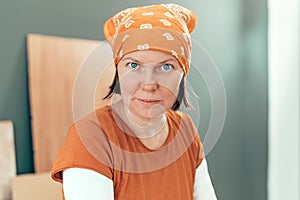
[[7, 159], [53, 65], [36, 187]]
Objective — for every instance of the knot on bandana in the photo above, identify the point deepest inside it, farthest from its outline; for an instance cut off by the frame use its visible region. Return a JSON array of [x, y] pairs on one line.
[[164, 27]]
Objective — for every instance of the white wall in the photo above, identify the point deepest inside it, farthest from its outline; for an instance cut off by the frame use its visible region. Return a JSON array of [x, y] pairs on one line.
[[283, 172]]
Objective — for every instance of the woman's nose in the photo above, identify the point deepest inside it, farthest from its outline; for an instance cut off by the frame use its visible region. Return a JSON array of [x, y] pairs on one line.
[[149, 81], [149, 86]]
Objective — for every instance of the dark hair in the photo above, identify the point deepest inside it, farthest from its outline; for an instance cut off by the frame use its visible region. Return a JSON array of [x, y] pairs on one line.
[[114, 88]]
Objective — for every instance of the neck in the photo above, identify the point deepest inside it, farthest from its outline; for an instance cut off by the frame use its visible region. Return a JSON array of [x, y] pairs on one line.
[[142, 128]]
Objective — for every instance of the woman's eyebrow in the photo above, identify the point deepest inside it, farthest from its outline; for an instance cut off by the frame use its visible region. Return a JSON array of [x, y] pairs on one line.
[[161, 62], [132, 59], [168, 60]]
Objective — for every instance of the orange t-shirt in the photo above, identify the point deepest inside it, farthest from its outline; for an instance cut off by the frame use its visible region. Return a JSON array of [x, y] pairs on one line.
[[103, 143]]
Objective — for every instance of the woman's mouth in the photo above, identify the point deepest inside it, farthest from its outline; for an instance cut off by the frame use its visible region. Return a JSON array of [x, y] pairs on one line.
[[148, 102]]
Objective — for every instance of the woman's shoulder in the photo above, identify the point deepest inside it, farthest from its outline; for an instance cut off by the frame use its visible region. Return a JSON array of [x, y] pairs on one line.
[[94, 122], [95, 116], [179, 117], [86, 146]]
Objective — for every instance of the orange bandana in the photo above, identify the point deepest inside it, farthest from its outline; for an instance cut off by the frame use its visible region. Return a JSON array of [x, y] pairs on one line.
[[164, 28]]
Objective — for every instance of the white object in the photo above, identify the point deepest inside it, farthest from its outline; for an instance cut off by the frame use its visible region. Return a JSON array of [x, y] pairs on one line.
[[203, 188], [82, 183], [7, 159], [283, 163]]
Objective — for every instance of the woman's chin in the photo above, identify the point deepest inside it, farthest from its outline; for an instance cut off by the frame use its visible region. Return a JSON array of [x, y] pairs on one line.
[[148, 114]]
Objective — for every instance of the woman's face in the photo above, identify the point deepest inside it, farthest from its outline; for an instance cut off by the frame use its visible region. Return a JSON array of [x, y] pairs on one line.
[[149, 82]]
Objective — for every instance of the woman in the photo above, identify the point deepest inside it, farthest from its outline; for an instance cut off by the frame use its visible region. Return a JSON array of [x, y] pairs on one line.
[[140, 146]]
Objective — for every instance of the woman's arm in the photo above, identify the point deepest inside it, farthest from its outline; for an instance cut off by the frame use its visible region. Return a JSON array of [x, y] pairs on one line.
[[203, 188], [79, 183]]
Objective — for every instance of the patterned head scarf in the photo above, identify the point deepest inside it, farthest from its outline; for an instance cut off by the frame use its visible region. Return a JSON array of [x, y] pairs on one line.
[[164, 27]]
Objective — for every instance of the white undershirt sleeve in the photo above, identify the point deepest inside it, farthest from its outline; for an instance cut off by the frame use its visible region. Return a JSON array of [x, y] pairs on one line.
[[79, 183], [203, 188]]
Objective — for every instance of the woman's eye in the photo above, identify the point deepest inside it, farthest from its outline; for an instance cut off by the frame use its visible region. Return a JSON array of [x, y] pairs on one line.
[[167, 67], [133, 65]]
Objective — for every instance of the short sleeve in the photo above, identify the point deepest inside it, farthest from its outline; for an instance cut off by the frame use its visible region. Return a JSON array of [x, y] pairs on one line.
[[85, 146], [198, 150]]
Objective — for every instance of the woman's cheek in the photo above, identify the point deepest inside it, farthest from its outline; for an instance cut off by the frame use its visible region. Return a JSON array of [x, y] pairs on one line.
[[170, 83], [129, 83]]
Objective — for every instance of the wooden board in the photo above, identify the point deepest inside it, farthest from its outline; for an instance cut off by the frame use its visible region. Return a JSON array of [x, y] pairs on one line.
[[38, 186], [7, 159], [53, 65]]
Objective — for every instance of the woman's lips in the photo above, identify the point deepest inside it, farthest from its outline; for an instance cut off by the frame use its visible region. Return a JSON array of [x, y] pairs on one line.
[[148, 102]]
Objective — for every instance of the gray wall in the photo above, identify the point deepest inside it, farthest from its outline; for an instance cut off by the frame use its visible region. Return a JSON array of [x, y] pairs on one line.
[[233, 32]]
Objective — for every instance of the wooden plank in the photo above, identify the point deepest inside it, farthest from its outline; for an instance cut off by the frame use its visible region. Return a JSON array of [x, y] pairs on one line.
[[53, 63], [7, 159], [36, 186]]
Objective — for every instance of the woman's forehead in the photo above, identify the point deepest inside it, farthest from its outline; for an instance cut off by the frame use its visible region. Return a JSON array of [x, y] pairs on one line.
[[149, 56]]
